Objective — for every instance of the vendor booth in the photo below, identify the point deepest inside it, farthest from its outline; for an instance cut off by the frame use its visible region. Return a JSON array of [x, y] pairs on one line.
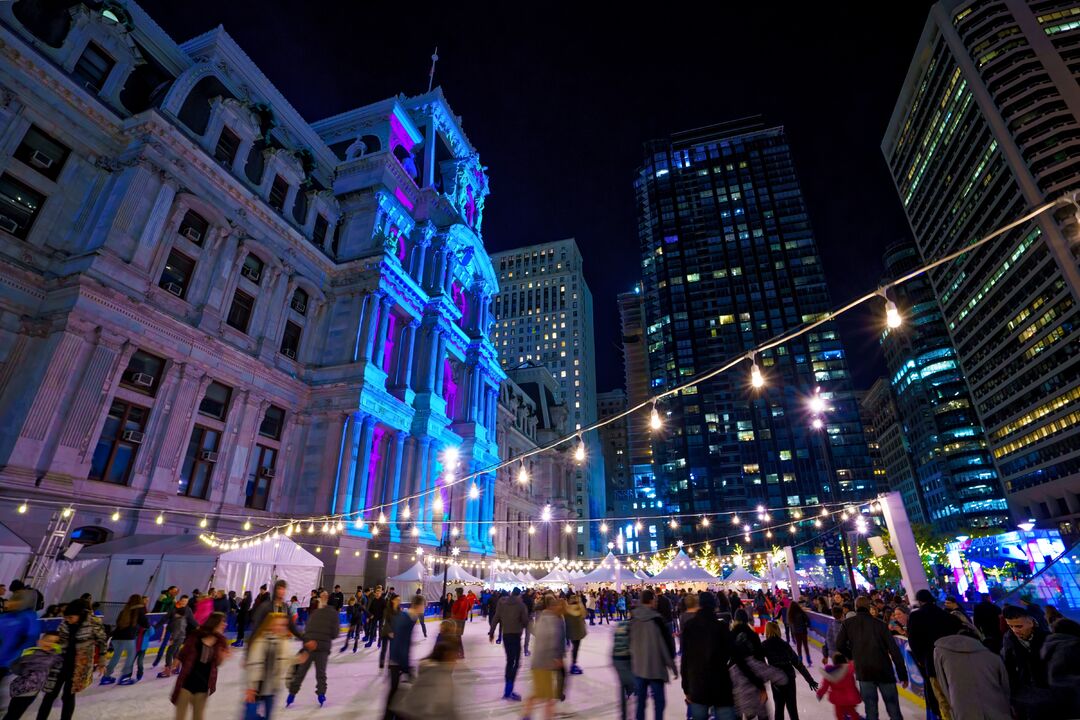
[[742, 576], [611, 571], [682, 569]]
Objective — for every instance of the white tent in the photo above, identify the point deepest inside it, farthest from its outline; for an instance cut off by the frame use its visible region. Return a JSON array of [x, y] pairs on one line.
[[610, 570], [529, 578], [504, 578], [683, 569], [14, 555], [455, 574], [741, 575], [144, 564], [558, 576], [416, 574]]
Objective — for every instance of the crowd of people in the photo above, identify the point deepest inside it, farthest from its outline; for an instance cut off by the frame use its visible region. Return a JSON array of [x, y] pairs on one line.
[[736, 654]]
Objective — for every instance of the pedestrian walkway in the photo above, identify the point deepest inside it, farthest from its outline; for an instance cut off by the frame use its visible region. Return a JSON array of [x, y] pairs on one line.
[[357, 689]]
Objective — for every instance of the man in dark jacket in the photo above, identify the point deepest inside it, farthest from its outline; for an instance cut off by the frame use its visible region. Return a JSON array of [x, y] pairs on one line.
[[376, 607], [868, 642], [927, 624], [1022, 652], [402, 626], [512, 617], [652, 653], [322, 627], [706, 653], [276, 604], [987, 618], [337, 598]]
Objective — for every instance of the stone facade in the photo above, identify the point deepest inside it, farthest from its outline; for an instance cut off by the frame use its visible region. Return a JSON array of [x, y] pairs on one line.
[[210, 307]]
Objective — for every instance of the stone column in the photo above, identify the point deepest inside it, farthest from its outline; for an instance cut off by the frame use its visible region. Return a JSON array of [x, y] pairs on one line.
[[385, 306], [421, 470], [395, 487], [361, 467], [174, 428], [378, 311], [440, 354], [150, 236], [405, 362], [417, 271], [351, 436]]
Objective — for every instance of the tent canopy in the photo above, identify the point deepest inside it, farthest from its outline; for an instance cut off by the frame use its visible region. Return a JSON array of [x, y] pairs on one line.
[[457, 574], [741, 574], [610, 570], [417, 573], [683, 569], [558, 576]]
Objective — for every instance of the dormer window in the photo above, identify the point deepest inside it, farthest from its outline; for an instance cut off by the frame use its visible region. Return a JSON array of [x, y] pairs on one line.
[[93, 68], [227, 146], [299, 302], [278, 191], [318, 233], [194, 227], [252, 268]]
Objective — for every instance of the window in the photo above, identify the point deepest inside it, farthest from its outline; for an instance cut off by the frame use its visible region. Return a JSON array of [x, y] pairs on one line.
[[119, 441], [318, 233], [299, 301], [273, 422], [240, 311], [198, 465], [290, 340], [143, 373], [215, 402], [278, 190], [93, 68], [259, 476], [42, 153], [176, 277], [19, 206], [228, 144], [194, 227], [252, 268]]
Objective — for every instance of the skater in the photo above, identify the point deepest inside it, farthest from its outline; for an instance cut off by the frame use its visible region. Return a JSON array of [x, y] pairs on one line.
[[269, 659], [177, 625], [31, 671], [386, 631], [575, 630], [243, 613], [82, 645], [400, 642], [203, 652], [511, 617], [131, 620], [376, 608], [780, 655], [320, 631], [355, 612], [839, 683]]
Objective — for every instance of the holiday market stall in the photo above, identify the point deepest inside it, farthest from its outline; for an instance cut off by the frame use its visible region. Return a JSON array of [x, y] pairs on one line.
[[682, 569], [414, 576], [144, 564], [610, 571], [742, 576], [454, 575], [558, 578]]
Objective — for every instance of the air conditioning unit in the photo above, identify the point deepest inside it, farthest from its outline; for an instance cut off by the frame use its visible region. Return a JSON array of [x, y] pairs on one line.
[[7, 224], [141, 379], [299, 306], [289, 353], [133, 436], [91, 87], [208, 456], [193, 235], [40, 160], [266, 472], [175, 289], [250, 273]]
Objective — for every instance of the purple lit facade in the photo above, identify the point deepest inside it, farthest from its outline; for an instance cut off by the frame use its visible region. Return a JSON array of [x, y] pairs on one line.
[[209, 306]]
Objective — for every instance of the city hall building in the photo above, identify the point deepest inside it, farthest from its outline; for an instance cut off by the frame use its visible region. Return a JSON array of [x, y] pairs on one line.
[[210, 308]]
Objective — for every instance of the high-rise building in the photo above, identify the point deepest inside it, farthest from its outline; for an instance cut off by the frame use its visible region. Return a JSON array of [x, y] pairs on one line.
[[880, 413], [637, 382], [615, 446], [729, 261], [544, 314], [873, 449], [214, 310], [986, 127], [957, 480]]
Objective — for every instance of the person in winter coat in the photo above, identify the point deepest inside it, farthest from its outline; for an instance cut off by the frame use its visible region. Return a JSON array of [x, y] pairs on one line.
[[620, 659], [276, 603], [402, 625], [751, 698], [1061, 654], [433, 694], [386, 632], [780, 655], [877, 658], [178, 623], [269, 658], [204, 608], [987, 618], [830, 634], [706, 654], [927, 624], [549, 648], [1022, 652], [31, 671], [243, 615], [205, 648], [376, 608], [972, 678], [82, 643], [510, 617], [322, 628], [575, 630], [839, 683], [354, 612], [799, 624], [131, 620], [652, 653], [19, 630]]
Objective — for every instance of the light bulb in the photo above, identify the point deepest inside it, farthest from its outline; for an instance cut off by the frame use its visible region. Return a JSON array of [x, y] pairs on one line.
[[756, 378], [340, 526], [768, 533], [603, 527], [792, 528], [438, 504], [326, 527], [491, 530], [416, 532], [638, 526], [569, 528], [160, 519], [735, 520], [674, 524], [374, 530], [817, 523], [382, 518], [406, 512], [66, 512], [23, 508], [545, 514], [817, 404], [454, 531], [523, 475], [766, 517], [474, 491], [289, 531], [824, 512], [450, 457], [116, 516], [532, 530], [203, 523], [704, 522], [311, 528], [247, 524], [892, 315], [579, 451], [654, 419]]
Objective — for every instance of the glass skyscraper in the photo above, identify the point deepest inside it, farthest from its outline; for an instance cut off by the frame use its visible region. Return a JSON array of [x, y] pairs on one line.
[[956, 482], [728, 262]]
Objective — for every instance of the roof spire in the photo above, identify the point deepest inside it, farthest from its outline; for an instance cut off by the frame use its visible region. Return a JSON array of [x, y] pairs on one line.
[[431, 73]]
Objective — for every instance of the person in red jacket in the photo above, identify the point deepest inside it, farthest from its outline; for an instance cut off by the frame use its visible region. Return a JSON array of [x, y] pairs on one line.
[[459, 612], [839, 683]]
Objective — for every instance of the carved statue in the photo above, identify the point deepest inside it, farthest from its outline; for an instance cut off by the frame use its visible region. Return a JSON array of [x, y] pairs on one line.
[[357, 150]]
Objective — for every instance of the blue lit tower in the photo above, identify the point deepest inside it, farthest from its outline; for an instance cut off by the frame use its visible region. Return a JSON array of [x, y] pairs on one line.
[[728, 261], [955, 472]]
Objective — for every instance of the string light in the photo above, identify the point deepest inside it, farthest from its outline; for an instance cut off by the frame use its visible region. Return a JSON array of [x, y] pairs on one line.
[[569, 529], [23, 508], [438, 504], [204, 522], [66, 512], [735, 520], [532, 530], [382, 518], [523, 474], [817, 403], [545, 514], [673, 523], [654, 419], [579, 451], [892, 313], [116, 515], [160, 519], [406, 512], [756, 379], [491, 531], [603, 528], [817, 523], [704, 522], [247, 524], [453, 532], [474, 491]]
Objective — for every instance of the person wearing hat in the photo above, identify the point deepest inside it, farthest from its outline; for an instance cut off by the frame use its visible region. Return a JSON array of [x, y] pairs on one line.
[[82, 646], [19, 630], [276, 604]]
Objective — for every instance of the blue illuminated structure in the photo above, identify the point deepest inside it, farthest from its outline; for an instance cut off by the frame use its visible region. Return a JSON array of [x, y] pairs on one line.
[[957, 485]]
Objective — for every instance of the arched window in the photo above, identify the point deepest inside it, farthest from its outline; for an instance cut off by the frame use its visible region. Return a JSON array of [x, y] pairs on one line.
[[90, 535], [195, 112]]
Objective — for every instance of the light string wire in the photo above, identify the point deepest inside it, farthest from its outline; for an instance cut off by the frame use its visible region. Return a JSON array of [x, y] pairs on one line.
[[358, 515]]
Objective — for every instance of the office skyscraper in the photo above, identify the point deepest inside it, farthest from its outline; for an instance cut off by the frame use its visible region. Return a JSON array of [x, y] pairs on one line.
[[729, 261], [957, 481], [544, 314], [985, 128], [880, 414]]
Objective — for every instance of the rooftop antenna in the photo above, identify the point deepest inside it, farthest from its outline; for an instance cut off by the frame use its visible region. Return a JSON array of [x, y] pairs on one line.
[[431, 74]]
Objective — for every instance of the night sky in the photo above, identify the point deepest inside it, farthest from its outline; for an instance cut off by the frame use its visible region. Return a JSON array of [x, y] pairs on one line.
[[558, 104]]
